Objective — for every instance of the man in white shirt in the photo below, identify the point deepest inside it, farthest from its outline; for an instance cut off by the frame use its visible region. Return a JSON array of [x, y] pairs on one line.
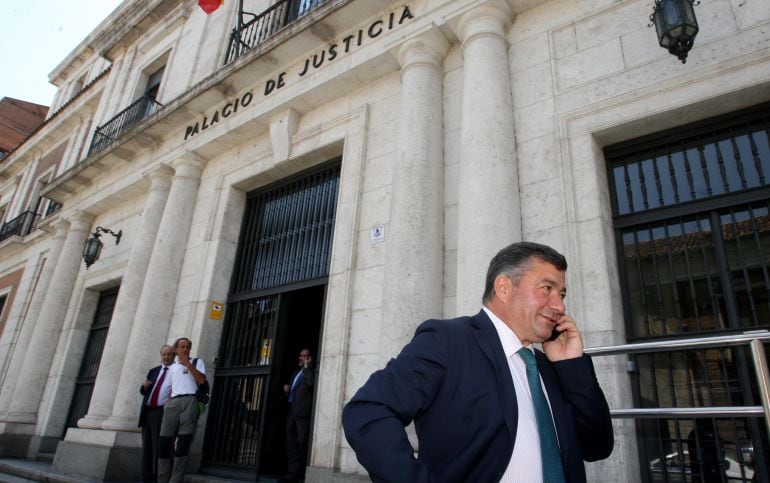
[[180, 415]]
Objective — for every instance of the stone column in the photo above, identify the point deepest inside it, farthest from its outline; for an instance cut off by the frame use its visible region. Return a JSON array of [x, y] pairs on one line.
[[45, 336], [413, 281], [156, 303], [110, 367], [489, 206], [28, 326]]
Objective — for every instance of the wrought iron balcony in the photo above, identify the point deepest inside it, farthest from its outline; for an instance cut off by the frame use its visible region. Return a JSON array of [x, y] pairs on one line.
[[261, 27], [125, 120], [22, 225]]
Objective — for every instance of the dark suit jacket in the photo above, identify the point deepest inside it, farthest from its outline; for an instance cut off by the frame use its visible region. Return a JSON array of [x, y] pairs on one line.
[[302, 401], [454, 382], [151, 376]]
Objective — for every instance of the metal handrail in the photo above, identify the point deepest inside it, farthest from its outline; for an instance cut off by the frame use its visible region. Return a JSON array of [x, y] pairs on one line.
[[123, 121], [752, 338]]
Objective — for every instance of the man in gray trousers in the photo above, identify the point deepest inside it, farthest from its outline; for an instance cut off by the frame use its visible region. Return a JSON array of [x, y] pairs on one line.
[[180, 415]]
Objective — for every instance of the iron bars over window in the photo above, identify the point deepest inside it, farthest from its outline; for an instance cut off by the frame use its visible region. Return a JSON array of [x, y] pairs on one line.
[[287, 233]]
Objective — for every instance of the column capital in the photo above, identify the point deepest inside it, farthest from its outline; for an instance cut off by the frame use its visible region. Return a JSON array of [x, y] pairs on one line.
[[80, 221], [61, 226], [189, 165], [426, 48], [490, 19], [159, 176]]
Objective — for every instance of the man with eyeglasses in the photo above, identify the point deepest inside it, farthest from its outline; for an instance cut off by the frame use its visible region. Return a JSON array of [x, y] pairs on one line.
[[299, 391]]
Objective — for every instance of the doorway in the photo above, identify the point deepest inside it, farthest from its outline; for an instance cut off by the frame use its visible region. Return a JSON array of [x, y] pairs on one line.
[[299, 327], [245, 434], [274, 310]]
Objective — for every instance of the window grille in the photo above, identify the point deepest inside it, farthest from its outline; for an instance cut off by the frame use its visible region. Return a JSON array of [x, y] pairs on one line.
[[287, 233], [89, 366], [691, 210]]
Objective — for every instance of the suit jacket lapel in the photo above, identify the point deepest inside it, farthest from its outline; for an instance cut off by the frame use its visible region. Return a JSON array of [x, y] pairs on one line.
[[487, 339]]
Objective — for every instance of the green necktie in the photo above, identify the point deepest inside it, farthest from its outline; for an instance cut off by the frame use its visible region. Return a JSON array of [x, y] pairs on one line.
[[549, 446]]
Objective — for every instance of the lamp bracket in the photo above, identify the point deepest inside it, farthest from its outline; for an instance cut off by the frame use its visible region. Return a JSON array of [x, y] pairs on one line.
[[100, 230]]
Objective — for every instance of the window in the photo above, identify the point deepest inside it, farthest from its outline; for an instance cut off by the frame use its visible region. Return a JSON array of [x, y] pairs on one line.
[[691, 211], [153, 83], [692, 219]]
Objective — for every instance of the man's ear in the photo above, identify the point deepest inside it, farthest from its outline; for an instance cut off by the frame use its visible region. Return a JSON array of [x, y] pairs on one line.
[[503, 286]]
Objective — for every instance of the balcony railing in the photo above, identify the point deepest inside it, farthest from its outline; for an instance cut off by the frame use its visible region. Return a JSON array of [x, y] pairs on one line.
[[263, 26], [22, 225], [125, 120]]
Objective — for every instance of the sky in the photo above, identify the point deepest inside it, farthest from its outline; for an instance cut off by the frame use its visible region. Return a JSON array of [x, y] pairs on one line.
[[38, 35]]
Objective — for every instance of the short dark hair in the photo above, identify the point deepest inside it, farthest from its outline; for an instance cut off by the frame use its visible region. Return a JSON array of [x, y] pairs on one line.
[[515, 259], [176, 342]]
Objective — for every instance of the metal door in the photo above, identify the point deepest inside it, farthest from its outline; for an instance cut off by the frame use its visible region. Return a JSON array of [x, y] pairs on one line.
[[285, 244]]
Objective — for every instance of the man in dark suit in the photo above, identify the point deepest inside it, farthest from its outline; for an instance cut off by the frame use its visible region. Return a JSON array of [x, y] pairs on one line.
[[479, 411], [151, 413], [299, 391]]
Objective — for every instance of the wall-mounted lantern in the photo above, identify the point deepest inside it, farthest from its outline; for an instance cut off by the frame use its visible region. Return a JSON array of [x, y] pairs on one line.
[[92, 248], [676, 25]]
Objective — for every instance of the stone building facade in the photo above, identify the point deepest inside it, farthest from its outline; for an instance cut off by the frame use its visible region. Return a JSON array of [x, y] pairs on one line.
[[328, 174]]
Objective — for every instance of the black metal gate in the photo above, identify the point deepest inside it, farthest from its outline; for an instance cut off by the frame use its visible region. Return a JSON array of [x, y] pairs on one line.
[[692, 218], [285, 244], [84, 384]]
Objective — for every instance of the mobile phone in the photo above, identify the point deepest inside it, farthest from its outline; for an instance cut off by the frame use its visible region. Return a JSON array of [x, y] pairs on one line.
[[554, 334]]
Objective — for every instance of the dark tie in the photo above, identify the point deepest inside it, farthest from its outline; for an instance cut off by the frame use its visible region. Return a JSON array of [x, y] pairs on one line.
[[156, 389], [549, 447]]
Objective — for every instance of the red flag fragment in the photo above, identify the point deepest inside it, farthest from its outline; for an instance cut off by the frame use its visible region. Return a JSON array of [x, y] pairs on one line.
[[209, 6]]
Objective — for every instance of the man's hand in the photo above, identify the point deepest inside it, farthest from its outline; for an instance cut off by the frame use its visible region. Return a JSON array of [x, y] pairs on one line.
[[185, 361], [568, 345], [147, 383]]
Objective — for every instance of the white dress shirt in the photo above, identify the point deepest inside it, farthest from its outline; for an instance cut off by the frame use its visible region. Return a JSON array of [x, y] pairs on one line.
[[525, 464], [165, 387]]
